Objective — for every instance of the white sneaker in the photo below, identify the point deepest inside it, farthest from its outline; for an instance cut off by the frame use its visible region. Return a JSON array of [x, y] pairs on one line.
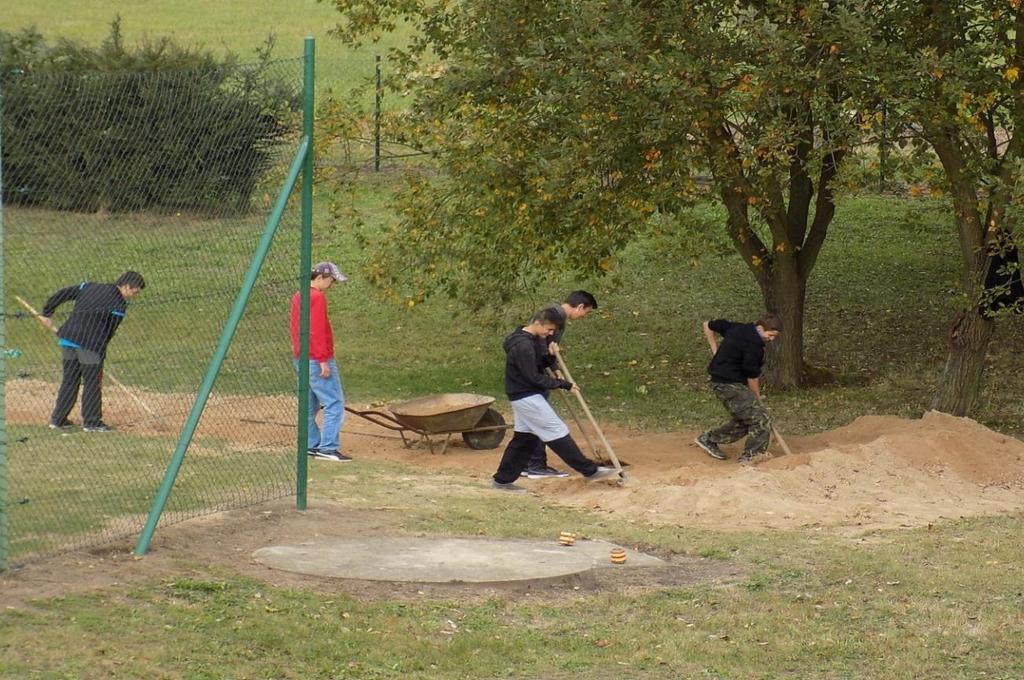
[[602, 473]]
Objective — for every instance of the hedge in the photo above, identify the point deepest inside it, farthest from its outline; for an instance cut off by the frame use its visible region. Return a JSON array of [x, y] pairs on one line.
[[157, 126]]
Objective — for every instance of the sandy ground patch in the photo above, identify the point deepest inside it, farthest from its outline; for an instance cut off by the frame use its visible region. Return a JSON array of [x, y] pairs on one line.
[[876, 473]]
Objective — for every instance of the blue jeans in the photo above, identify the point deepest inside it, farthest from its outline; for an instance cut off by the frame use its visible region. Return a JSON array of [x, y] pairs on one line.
[[326, 394]]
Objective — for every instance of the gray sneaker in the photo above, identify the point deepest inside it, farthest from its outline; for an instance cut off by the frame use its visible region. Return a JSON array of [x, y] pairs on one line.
[[98, 427], [507, 486], [751, 457], [602, 473], [710, 447], [544, 473]]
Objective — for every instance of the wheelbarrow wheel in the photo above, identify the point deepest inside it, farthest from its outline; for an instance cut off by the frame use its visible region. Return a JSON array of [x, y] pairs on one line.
[[486, 439]]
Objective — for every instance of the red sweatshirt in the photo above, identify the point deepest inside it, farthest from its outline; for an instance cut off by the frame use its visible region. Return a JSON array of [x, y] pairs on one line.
[[321, 338]]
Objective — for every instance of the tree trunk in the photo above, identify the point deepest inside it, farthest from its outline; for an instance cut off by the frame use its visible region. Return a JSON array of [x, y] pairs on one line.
[[977, 223], [960, 383], [783, 289], [785, 295]]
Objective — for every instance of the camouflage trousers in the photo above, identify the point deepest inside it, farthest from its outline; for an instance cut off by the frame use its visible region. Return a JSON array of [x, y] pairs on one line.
[[749, 418]]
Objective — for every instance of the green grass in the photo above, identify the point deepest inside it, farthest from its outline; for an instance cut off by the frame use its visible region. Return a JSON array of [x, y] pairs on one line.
[[106, 491], [808, 605], [923, 603], [878, 309], [240, 27]]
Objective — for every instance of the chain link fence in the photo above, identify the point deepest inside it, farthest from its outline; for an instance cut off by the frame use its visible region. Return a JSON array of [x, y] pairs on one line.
[[168, 173]]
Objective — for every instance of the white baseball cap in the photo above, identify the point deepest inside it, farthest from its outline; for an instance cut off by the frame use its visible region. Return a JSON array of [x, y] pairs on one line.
[[330, 269]]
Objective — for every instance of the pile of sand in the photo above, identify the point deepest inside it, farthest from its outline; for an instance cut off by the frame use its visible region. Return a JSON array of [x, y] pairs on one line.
[[878, 472]]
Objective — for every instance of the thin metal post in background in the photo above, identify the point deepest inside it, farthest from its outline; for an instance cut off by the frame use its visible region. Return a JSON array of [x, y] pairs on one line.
[[5, 536], [377, 96], [305, 266], [883, 150]]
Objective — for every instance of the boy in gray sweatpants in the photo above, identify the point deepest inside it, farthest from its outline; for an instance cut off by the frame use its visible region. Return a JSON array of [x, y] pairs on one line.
[[527, 385]]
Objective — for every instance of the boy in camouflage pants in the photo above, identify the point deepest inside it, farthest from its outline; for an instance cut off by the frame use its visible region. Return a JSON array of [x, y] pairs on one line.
[[735, 374]]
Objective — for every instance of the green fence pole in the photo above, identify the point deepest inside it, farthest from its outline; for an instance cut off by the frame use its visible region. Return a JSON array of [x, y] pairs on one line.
[[222, 349], [378, 93], [5, 541], [305, 265]]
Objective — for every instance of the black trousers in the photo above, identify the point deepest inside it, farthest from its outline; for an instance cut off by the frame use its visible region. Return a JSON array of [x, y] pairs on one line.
[[523, 445], [539, 456], [83, 368]]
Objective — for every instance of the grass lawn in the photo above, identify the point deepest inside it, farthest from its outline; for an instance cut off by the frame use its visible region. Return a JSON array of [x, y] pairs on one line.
[[878, 308], [926, 603]]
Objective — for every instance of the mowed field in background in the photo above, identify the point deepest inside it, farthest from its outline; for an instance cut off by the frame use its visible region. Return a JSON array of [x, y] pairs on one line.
[[239, 26]]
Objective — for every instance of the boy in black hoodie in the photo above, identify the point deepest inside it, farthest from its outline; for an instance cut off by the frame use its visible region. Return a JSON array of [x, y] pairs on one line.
[[735, 374], [99, 310], [526, 385], [576, 306]]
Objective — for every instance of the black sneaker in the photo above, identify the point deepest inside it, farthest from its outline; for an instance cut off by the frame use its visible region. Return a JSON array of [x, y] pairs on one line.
[[62, 425], [544, 473], [710, 447], [751, 456], [98, 427], [507, 486], [329, 455]]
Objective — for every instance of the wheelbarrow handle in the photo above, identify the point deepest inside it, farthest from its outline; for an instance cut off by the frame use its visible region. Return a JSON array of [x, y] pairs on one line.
[[381, 418]]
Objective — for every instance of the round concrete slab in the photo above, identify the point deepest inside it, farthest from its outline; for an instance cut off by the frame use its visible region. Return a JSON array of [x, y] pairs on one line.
[[444, 560]]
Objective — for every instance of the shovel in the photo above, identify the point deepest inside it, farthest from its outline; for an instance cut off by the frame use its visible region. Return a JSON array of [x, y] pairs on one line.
[[598, 454], [586, 409], [778, 436]]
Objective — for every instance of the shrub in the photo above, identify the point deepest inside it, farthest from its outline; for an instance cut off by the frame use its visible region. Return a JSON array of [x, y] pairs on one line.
[[157, 126]]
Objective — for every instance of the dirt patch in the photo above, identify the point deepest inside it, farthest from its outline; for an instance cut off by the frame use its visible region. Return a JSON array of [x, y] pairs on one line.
[[258, 421], [876, 473], [225, 542]]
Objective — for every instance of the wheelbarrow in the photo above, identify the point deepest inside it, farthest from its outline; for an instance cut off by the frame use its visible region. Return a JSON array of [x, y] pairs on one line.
[[470, 415]]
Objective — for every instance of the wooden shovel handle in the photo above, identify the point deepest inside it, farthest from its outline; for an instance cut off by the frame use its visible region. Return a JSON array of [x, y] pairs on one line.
[[586, 409]]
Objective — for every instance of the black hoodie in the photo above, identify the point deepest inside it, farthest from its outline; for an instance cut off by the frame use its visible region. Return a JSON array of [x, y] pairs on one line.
[[99, 310], [740, 354], [526, 357]]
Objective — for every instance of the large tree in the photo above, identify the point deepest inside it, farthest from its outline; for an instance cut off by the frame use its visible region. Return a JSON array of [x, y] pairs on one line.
[[950, 73], [562, 127]]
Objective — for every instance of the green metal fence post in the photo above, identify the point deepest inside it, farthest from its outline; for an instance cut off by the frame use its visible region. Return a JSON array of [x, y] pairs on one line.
[[222, 349], [378, 93], [305, 266]]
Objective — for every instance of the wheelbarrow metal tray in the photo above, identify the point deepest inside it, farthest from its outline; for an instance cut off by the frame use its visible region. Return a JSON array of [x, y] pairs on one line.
[[441, 413]]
